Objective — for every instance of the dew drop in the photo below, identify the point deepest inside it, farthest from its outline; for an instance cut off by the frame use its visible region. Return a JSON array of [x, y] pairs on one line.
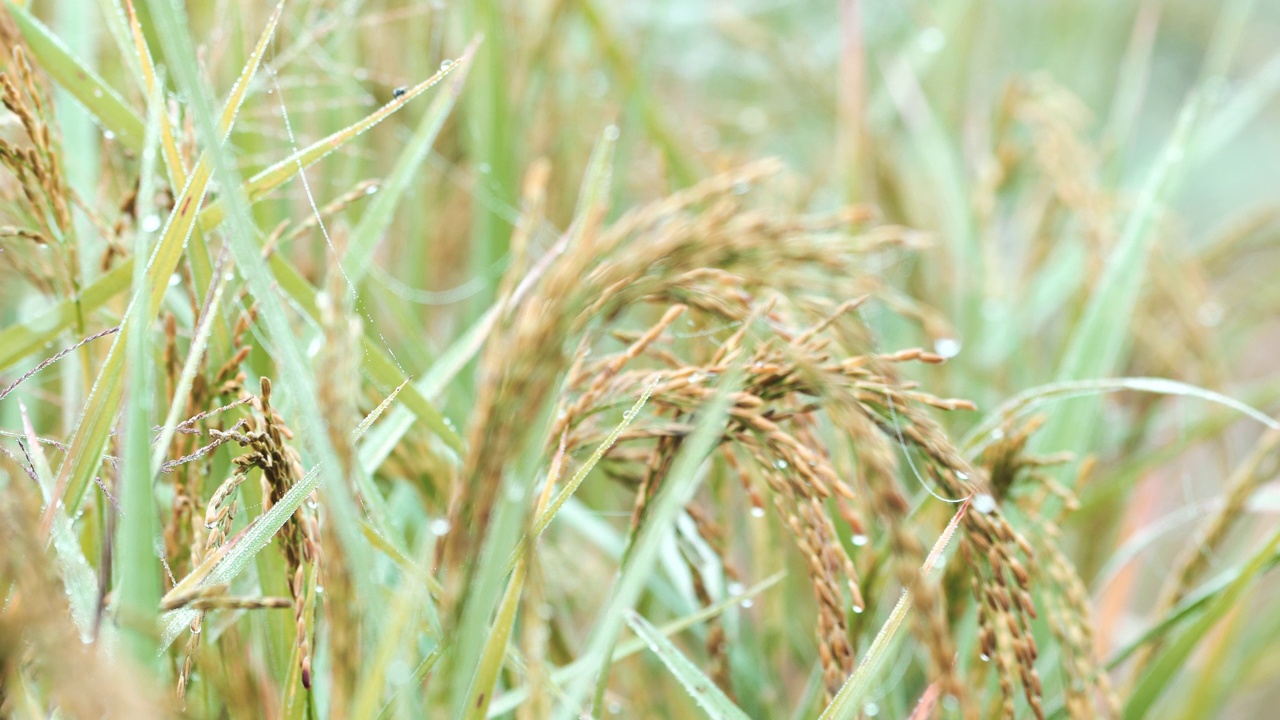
[[97, 92], [932, 40], [871, 709], [947, 347], [984, 657], [484, 168], [735, 588], [439, 527], [612, 133], [752, 120], [962, 475], [757, 512], [858, 540], [857, 609], [741, 187], [108, 135], [399, 92], [615, 708], [984, 503], [174, 279], [781, 464], [446, 64], [746, 603], [150, 223], [371, 190], [997, 434], [1210, 314]]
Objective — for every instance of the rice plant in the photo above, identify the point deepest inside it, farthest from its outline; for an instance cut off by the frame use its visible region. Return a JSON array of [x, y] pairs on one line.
[[408, 359]]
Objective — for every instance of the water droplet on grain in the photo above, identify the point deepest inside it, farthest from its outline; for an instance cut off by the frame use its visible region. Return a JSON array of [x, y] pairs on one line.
[[857, 609], [985, 657], [997, 434], [108, 135], [984, 503], [371, 190], [781, 464], [962, 475], [97, 92], [612, 133], [871, 709], [858, 540], [757, 512], [446, 64], [151, 223], [174, 279], [439, 527], [947, 347]]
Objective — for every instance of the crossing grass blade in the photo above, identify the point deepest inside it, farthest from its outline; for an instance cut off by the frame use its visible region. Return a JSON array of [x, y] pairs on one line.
[[701, 688]]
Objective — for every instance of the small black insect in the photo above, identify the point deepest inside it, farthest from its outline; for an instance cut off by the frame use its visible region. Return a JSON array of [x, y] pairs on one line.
[[399, 92]]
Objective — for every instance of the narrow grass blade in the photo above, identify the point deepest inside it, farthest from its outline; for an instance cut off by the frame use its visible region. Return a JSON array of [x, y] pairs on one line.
[[700, 687], [495, 647], [373, 416], [848, 703], [135, 547], [190, 367], [1029, 400], [377, 218], [279, 173], [173, 158], [77, 575], [676, 491], [87, 86], [1097, 343], [1194, 603], [1168, 664]]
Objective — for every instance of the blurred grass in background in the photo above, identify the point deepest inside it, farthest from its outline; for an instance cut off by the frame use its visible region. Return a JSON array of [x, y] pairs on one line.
[[1095, 180]]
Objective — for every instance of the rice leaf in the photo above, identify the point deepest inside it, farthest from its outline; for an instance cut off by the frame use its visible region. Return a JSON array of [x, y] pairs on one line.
[[700, 687]]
